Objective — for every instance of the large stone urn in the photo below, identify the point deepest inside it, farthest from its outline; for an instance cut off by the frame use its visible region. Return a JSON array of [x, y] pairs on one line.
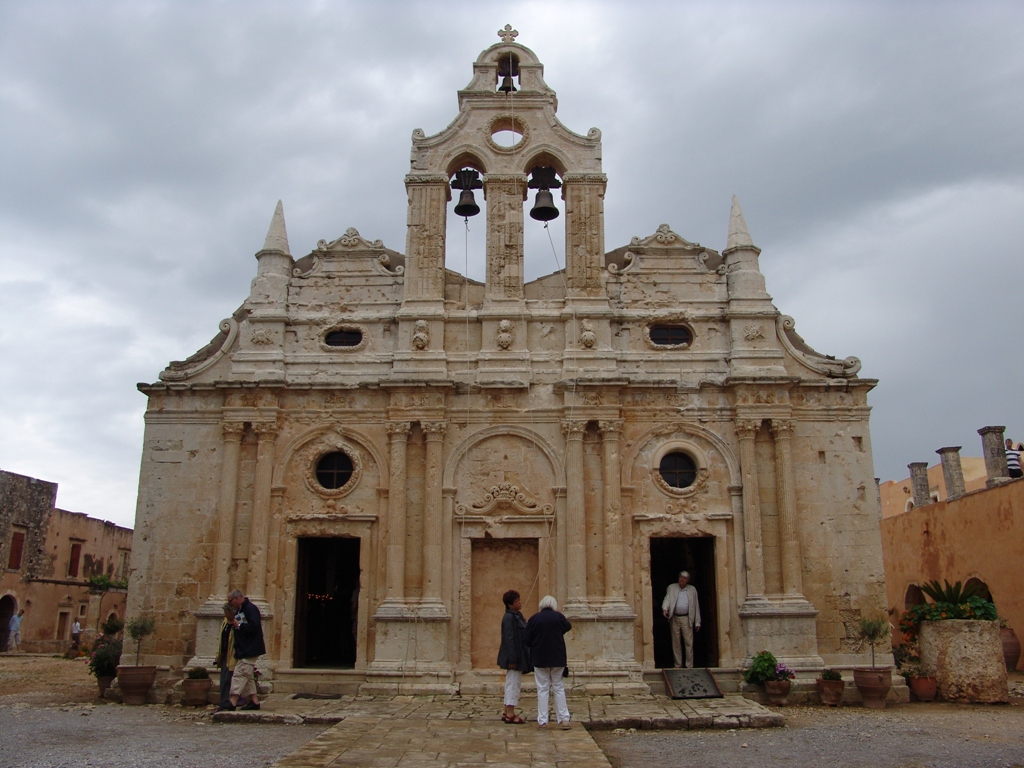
[[873, 684], [966, 657], [135, 683]]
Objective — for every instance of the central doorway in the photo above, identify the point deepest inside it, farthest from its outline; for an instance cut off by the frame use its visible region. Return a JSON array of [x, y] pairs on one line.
[[498, 566], [669, 556], [326, 602]]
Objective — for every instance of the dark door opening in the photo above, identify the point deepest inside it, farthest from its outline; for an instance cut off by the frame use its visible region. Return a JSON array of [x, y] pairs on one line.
[[695, 554], [326, 602], [7, 607]]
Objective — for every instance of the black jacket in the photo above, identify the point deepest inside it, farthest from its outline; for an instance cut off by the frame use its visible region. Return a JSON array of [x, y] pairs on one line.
[[513, 650], [249, 635], [544, 633]]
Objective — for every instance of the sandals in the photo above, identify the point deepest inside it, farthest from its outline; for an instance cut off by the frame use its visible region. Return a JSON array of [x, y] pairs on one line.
[[514, 720]]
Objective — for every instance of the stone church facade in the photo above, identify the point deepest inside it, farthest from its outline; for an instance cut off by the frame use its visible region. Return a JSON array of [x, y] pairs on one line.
[[375, 448]]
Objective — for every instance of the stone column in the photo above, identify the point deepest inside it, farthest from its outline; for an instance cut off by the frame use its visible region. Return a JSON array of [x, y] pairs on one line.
[[992, 444], [256, 581], [432, 523], [789, 525], [398, 433], [425, 238], [611, 432], [952, 472], [504, 195], [746, 431], [575, 526], [584, 232], [232, 431], [919, 482]]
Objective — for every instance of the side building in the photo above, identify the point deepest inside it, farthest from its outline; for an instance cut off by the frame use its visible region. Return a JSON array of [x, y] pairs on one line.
[[374, 447], [50, 556]]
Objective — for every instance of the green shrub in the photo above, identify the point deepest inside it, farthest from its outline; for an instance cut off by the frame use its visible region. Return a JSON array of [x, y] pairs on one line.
[[972, 608], [112, 625], [139, 628], [763, 667], [197, 673], [872, 632], [105, 657], [831, 674]]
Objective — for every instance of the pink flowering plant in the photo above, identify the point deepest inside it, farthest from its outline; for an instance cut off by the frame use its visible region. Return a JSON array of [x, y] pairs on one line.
[[765, 667]]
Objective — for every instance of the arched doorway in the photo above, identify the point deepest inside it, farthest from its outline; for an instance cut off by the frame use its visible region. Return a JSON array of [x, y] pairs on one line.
[[8, 606]]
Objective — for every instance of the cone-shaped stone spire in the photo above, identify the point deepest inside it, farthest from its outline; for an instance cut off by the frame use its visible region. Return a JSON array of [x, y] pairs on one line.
[[739, 236], [277, 235]]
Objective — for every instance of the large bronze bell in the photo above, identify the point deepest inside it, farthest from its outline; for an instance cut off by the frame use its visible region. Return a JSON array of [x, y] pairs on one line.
[[506, 84], [467, 204], [544, 209]]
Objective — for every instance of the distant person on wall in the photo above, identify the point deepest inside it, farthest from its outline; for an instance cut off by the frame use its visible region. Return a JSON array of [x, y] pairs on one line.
[[76, 634], [249, 646], [545, 638], [14, 627], [1013, 459], [683, 613], [513, 655]]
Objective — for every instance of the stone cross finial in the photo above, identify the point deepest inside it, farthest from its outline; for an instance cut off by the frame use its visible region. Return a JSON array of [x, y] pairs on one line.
[[508, 35]]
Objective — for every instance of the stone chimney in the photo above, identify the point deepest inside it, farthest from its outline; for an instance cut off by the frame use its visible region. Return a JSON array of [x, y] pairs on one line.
[[995, 455], [919, 480], [952, 472]]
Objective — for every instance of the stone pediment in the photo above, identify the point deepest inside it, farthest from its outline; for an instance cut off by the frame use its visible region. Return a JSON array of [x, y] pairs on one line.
[[504, 497], [664, 237], [350, 247], [663, 244]]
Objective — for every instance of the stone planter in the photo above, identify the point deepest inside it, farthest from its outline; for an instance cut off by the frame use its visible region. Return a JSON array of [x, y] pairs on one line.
[[1011, 648], [104, 681], [966, 658], [923, 687], [830, 691], [196, 693], [135, 683], [777, 691], [873, 684]]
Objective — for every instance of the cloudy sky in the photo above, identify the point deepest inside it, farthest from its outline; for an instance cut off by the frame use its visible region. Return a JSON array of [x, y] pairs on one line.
[[877, 150]]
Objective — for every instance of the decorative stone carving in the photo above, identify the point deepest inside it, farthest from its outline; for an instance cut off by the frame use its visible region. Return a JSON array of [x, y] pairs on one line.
[[206, 357], [504, 497], [699, 486], [815, 361], [362, 330], [508, 35], [753, 332], [587, 336], [420, 335], [308, 457], [351, 239], [506, 334]]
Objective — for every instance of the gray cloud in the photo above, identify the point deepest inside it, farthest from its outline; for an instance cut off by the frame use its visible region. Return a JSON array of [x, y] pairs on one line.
[[876, 149]]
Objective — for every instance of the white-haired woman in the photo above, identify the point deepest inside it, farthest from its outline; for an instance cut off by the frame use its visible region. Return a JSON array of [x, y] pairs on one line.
[[545, 635]]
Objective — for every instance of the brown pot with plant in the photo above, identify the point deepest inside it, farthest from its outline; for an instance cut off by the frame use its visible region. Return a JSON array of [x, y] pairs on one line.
[[135, 681], [923, 686], [195, 687], [776, 678], [830, 687], [873, 683]]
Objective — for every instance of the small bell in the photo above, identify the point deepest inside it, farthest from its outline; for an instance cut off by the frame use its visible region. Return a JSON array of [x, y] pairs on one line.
[[544, 209], [467, 204], [506, 84]]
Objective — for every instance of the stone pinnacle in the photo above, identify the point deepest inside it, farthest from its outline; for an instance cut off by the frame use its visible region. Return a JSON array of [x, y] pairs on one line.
[[277, 235], [739, 236]]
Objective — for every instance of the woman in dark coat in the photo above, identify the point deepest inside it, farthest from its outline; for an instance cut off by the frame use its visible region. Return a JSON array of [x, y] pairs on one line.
[[544, 636], [513, 655]]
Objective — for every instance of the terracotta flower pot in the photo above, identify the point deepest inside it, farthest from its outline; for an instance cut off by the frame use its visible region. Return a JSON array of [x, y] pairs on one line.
[[104, 681], [1011, 648], [135, 683], [923, 687], [830, 691], [196, 693], [874, 684], [777, 691]]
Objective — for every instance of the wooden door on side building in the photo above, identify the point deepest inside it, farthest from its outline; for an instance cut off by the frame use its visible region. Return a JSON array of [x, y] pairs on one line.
[[498, 566]]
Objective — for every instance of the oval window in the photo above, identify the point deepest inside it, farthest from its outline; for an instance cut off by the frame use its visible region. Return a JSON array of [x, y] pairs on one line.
[[670, 335], [343, 338], [678, 469], [334, 470]]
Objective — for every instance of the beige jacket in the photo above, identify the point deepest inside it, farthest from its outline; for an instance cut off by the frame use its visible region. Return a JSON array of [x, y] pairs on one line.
[[669, 603]]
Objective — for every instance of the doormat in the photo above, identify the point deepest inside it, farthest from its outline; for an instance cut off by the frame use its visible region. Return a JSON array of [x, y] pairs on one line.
[[691, 684], [317, 696]]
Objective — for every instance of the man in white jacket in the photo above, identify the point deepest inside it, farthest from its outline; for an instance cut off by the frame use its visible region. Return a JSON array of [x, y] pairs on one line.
[[683, 614]]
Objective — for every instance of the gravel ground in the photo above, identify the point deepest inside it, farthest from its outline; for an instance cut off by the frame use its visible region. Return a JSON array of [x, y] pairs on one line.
[[908, 736], [50, 717]]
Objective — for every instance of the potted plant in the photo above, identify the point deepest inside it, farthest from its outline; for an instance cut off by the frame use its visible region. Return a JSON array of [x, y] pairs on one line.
[[908, 662], [196, 687], [873, 683], [106, 655], [830, 687], [111, 626], [135, 681], [776, 678]]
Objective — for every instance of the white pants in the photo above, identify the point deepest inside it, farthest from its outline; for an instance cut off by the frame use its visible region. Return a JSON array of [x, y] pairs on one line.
[[549, 678], [513, 684]]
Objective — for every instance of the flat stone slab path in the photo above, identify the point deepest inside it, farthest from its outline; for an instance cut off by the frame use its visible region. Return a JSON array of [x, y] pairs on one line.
[[467, 730]]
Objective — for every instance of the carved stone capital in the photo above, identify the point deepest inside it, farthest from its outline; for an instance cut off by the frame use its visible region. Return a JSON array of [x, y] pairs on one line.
[[399, 430], [574, 429], [782, 430], [265, 430], [746, 429], [611, 429], [434, 430], [232, 430], [585, 178], [427, 179]]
